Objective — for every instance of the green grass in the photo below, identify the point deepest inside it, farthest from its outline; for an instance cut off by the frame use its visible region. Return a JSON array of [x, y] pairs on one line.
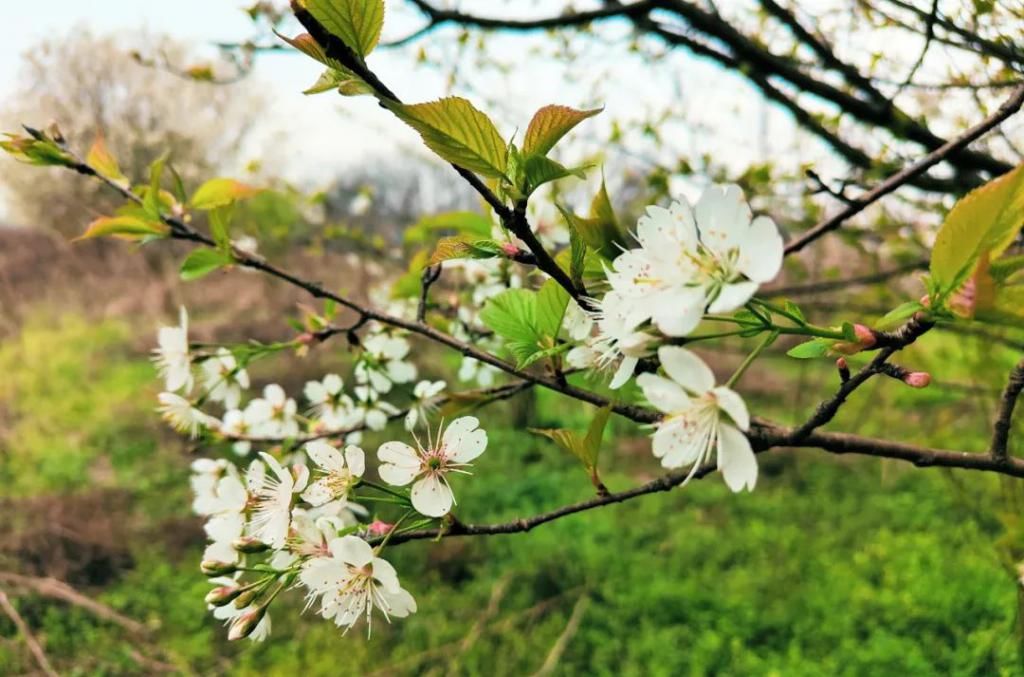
[[833, 566]]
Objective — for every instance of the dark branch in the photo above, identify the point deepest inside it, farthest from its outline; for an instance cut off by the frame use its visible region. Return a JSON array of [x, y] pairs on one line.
[[999, 449]]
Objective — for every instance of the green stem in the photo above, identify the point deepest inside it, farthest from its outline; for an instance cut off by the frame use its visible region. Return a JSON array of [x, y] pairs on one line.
[[765, 342], [381, 488], [393, 529]]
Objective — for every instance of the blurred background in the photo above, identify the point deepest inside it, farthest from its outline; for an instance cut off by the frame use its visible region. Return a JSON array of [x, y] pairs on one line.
[[833, 565]]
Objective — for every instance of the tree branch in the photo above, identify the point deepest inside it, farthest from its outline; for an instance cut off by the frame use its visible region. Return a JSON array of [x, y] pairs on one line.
[[1001, 428]]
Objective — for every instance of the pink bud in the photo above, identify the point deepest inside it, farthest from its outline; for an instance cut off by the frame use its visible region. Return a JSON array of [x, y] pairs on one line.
[[243, 625], [926, 301], [918, 379], [305, 339], [509, 249], [865, 336], [841, 364], [379, 528]]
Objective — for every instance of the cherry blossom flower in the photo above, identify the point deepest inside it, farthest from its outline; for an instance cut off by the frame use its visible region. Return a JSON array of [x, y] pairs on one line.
[[182, 416], [383, 362], [272, 515], [694, 425], [373, 411], [339, 473], [482, 373], [330, 403], [172, 357], [712, 256], [234, 425], [424, 402], [273, 415], [223, 379], [401, 464], [206, 473], [618, 337], [352, 581]]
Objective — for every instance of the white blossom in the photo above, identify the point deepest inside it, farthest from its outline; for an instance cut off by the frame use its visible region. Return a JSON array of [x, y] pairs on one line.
[[383, 363], [694, 425], [482, 373], [352, 581], [182, 416], [427, 468], [424, 402], [223, 379], [272, 515], [172, 357], [273, 415], [339, 472], [619, 340]]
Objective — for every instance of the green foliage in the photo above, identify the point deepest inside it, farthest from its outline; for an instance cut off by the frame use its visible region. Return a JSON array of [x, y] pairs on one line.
[[471, 224], [454, 129], [601, 230], [221, 192], [587, 447], [462, 247], [807, 350], [38, 148], [356, 22], [549, 125], [982, 224], [126, 227], [100, 159], [528, 320], [202, 262]]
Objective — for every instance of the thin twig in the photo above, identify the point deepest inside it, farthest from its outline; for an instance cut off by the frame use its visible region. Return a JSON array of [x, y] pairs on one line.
[[1001, 428], [30, 640], [575, 618]]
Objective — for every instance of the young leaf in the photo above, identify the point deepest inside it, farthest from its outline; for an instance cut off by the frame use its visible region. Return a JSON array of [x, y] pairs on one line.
[[577, 256], [307, 44], [343, 80], [203, 262], [100, 159], [220, 192], [127, 227], [550, 124], [543, 355], [38, 149], [986, 220], [794, 310], [898, 315], [552, 300], [458, 132], [512, 315], [356, 22], [585, 448], [220, 222], [817, 347], [461, 247], [151, 200], [538, 170]]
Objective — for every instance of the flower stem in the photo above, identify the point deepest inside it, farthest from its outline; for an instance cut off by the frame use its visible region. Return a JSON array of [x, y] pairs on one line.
[[393, 529], [381, 488], [765, 342]]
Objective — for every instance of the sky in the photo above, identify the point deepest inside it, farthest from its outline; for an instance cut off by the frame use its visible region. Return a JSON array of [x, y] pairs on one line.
[[324, 134]]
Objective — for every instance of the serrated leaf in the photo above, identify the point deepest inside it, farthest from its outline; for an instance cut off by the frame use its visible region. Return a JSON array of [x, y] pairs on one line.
[[203, 262], [356, 22], [810, 349], [595, 233], [100, 159], [344, 81], [549, 125], [985, 220], [461, 247], [543, 355], [552, 301], [307, 44], [220, 192], [538, 170], [458, 132], [512, 314], [126, 227]]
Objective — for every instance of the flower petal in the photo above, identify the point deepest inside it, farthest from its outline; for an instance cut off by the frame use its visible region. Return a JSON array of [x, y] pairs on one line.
[[683, 314], [356, 460], [325, 455], [761, 251], [723, 217], [668, 396], [386, 574], [624, 372], [351, 550], [463, 440], [686, 369], [399, 603], [732, 297], [318, 492], [736, 459], [399, 463], [731, 403], [432, 497]]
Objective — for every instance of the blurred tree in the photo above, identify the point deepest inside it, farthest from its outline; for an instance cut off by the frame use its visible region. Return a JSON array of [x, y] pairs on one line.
[[91, 84]]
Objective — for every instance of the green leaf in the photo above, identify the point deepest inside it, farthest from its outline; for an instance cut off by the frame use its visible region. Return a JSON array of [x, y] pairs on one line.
[[552, 301], [203, 262], [577, 256], [986, 220], [100, 159], [307, 44], [549, 125], [220, 192], [37, 149], [220, 223], [512, 315], [343, 80], [408, 284], [356, 22], [817, 347], [151, 200], [126, 227], [461, 247], [898, 315], [543, 354], [458, 132], [538, 170], [585, 448], [794, 310]]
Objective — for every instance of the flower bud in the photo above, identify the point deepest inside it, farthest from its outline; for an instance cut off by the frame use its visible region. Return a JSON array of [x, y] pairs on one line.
[[305, 338], [918, 379], [865, 335], [509, 249], [249, 545], [243, 626], [212, 567], [246, 597], [223, 595], [841, 364], [379, 528]]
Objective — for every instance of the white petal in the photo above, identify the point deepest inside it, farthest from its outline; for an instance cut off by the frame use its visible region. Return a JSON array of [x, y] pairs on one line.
[[401, 372], [668, 396], [386, 574], [432, 497], [352, 550], [731, 403], [356, 460], [682, 315], [322, 574], [686, 369], [376, 419], [624, 372], [315, 392], [761, 251], [325, 455], [411, 417], [732, 297], [736, 459], [318, 492], [399, 603], [463, 440], [399, 463], [225, 528], [723, 217], [676, 445], [333, 384]]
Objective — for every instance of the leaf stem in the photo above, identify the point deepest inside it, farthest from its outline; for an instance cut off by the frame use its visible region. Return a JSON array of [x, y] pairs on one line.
[[765, 342]]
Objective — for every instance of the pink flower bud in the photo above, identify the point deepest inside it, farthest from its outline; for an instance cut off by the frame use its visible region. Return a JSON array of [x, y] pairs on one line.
[[379, 528], [248, 544], [509, 249], [865, 336], [918, 379], [214, 568], [841, 364], [305, 338], [246, 623], [223, 595]]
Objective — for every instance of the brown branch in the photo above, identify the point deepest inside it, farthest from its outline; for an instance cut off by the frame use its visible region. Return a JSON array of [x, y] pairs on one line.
[[438, 16], [1001, 428], [30, 640], [844, 284], [1010, 107], [51, 587], [571, 627]]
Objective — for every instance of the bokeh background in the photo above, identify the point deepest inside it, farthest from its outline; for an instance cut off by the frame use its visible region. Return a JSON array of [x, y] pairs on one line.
[[832, 566]]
